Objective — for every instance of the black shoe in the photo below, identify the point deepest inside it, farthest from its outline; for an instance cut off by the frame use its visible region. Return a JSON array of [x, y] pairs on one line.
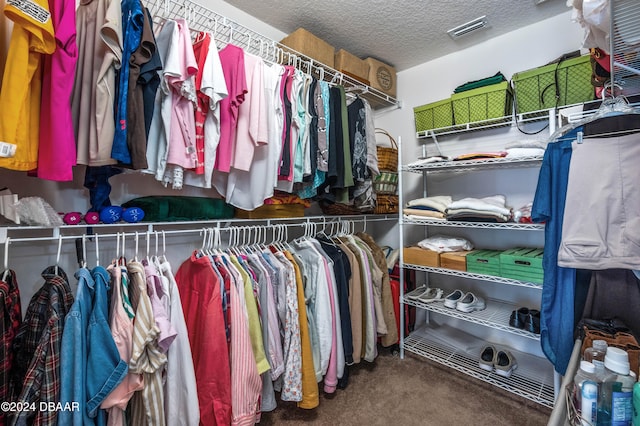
[[518, 318], [532, 321]]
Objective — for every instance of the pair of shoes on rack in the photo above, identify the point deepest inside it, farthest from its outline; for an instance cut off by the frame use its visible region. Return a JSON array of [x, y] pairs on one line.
[[426, 294], [464, 302], [526, 319], [500, 360]]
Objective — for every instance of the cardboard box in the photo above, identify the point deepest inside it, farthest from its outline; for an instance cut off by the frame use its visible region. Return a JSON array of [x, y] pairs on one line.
[[352, 66], [456, 260], [310, 45], [382, 76], [420, 256]]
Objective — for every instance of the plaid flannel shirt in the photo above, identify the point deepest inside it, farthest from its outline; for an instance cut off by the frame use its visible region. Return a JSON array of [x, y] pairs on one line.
[[10, 322], [37, 348]]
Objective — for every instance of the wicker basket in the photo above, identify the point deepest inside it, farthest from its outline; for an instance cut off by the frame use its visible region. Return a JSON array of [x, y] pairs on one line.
[[387, 204], [340, 209], [387, 156], [386, 183]]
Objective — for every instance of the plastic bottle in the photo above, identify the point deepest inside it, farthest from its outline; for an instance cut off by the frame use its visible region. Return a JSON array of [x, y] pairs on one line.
[[595, 355], [615, 404], [636, 404], [589, 398], [587, 371]]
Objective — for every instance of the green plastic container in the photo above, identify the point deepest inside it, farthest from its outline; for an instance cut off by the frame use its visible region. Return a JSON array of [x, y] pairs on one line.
[[434, 115], [483, 103], [535, 89], [521, 263], [485, 262]]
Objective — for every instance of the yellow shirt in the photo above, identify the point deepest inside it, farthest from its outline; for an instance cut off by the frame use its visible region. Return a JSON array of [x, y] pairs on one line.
[[310, 394], [255, 330], [32, 37]]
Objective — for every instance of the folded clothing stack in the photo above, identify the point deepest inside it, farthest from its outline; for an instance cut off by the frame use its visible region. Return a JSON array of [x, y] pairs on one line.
[[524, 148], [489, 209], [431, 207]]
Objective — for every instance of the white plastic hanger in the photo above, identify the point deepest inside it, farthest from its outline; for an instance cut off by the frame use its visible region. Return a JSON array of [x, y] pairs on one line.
[[57, 268], [6, 259]]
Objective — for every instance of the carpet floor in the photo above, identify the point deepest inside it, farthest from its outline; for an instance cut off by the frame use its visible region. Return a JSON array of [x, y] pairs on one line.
[[412, 391]]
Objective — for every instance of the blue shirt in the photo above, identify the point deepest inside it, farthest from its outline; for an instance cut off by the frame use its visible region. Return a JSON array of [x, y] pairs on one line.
[[132, 22], [558, 288], [90, 363]]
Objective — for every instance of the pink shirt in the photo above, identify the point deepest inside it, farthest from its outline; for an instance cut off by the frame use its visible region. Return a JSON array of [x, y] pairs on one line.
[[122, 330], [182, 138], [252, 127], [57, 145], [232, 59]]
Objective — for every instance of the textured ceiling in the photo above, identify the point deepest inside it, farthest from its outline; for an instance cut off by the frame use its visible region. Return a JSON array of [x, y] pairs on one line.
[[402, 33]]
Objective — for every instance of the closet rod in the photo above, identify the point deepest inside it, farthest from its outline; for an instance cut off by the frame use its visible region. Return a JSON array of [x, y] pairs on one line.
[[222, 225], [200, 18]]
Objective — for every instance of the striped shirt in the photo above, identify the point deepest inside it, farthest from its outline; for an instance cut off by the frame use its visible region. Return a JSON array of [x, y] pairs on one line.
[[147, 406]]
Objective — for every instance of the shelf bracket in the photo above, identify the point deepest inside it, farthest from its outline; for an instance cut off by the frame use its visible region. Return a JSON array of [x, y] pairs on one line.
[[435, 142]]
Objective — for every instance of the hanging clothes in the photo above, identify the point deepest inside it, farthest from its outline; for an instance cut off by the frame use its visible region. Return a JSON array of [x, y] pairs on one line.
[[11, 311], [147, 405], [161, 120], [556, 320], [180, 70], [310, 395], [90, 375], [232, 59], [36, 376], [180, 390], [57, 143], [132, 23], [121, 325], [99, 41], [142, 78], [607, 237], [20, 94], [200, 295]]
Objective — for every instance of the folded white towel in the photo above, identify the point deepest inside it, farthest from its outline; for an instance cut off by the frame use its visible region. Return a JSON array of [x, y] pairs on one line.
[[494, 203], [439, 202]]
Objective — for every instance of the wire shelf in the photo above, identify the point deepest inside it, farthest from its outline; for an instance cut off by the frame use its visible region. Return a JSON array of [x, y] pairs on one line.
[[226, 31], [529, 380], [626, 38], [471, 275], [495, 315], [472, 165], [482, 225], [492, 123]]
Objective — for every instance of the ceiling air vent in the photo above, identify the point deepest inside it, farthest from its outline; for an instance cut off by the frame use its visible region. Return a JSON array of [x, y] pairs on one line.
[[468, 27]]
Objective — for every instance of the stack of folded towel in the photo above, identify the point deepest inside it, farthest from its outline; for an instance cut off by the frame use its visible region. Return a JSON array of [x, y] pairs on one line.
[[431, 207], [489, 209]]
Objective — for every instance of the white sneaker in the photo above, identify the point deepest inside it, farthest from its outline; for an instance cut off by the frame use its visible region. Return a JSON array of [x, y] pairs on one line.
[[452, 299], [470, 302], [413, 295], [431, 295]]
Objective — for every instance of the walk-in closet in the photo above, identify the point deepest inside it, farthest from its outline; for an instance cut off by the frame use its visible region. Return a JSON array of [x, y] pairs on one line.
[[233, 212]]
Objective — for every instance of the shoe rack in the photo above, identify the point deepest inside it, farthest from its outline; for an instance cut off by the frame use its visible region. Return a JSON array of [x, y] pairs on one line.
[[455, 338]]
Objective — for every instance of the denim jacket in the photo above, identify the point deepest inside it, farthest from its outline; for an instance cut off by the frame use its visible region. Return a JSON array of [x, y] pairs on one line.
[[89, 356]]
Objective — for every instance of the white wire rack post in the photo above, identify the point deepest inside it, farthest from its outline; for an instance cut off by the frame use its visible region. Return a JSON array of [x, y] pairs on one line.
[[226, 31]]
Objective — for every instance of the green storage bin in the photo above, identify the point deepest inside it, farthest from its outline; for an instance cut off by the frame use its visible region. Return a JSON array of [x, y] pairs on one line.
[[524, 264], [482, 104], [434, 115], [535, 89], [485, 262]]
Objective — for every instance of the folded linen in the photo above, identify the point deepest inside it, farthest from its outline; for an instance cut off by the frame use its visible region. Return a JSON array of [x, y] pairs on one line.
[[494, 203]]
